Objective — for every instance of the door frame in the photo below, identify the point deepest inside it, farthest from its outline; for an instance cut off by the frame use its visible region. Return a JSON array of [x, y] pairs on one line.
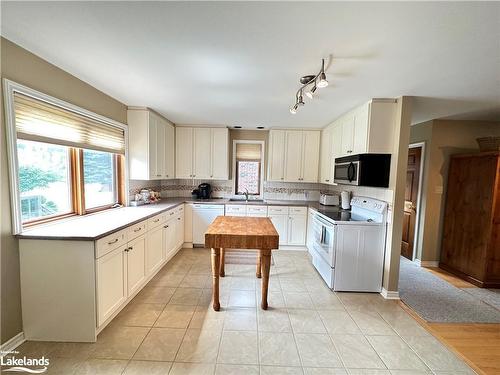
[[419, 195]]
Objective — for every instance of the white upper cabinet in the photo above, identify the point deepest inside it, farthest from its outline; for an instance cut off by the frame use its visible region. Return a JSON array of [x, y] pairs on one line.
[[294, 155], [151, 145], [326, 157], [202, 153], [276, 155]]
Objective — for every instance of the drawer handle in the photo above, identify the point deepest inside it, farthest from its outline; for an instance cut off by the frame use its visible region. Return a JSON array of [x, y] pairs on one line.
[[156, 220], [112, 242], [178, 218], [128, 249], [138, 229], [165, 226], [171, 213]]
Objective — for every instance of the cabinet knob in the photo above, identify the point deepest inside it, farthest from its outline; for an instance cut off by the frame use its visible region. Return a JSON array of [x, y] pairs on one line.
[[327, 180], [211, 175], [282, 178], [165, 226]]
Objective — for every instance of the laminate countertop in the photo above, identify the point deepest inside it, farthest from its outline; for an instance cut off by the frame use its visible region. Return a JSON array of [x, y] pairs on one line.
[[94, 226]]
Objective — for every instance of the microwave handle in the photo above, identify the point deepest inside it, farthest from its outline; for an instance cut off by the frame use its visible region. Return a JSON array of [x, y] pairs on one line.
[[350, 172]]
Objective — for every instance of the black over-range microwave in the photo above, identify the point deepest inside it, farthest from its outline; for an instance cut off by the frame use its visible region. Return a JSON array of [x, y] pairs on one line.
[[363, 170]]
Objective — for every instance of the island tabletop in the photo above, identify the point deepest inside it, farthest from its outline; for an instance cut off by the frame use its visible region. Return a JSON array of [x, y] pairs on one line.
[[236, 232]]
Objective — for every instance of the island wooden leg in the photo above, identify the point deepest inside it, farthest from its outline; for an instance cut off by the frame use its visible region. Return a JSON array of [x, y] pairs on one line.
[[222, 272], [265, 256], [215, 278], [259, 266]]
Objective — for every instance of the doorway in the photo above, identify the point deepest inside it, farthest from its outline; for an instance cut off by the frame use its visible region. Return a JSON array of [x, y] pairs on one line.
[[413, 175]]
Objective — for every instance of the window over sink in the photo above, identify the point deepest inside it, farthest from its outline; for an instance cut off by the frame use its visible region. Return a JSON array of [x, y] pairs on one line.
[[248, 168]]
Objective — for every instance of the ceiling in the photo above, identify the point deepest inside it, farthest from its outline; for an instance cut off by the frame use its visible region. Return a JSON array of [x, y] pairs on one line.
[[238, 63]]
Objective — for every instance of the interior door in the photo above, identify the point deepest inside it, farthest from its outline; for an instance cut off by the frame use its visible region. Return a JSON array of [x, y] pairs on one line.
[[411, 194], [202, 153], [183, 152]]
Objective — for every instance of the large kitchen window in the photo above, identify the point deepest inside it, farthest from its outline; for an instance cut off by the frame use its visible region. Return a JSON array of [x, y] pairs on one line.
[[67, 161], [248, 167]]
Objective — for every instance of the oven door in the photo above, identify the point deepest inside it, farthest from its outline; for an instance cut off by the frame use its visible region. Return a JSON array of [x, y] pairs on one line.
[[347, 173], [324, 239]]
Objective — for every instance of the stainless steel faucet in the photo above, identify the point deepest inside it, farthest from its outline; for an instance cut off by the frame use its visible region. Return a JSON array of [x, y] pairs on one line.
[[246, 194]]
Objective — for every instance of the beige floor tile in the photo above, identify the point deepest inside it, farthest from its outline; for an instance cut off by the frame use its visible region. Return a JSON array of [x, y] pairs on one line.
[[273, 320], [75, 350], [206, 318], [298, 300], [403, 323], [161, 344], [417, 372], [200, 269], [101, 367], [147, 368], [62, 366], [196, 281], [326, 300], [316, 350], [199, 346], [179, 368], [356, 352], [306, 321], [280, 370], [364, 371], [315, 285], [117, 342], [175, 316], [278, 349], [243, 283], [240, 319], [436, 355], [242, 298], [239, 347], [292, 284], [167, 279], [186, 296], [36, 349], [339, 322], [371, 323], [223, 369], [395, 353], [139, 314], [274, 299], [325, 371], [154, 294]]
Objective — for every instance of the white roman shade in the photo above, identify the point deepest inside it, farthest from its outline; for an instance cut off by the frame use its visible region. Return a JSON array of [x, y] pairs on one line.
[[37, 120], [248, 151]]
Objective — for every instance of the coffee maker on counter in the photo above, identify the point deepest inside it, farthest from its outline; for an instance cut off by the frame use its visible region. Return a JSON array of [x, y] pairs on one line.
[[204, 191]]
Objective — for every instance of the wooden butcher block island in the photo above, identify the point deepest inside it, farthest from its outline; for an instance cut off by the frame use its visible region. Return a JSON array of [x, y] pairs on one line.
[[232, 232]]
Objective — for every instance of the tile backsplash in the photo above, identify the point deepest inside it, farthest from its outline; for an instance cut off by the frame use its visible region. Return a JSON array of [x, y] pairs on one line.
[[272, 190]]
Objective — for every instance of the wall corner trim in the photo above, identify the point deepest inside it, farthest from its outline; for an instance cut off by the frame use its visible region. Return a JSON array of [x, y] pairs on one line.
[[389, 294], [426, 263], [12, 344]]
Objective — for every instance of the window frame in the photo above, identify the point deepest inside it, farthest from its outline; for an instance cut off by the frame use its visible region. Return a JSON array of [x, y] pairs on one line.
[[261, 170], [236, 176], [11, 87]]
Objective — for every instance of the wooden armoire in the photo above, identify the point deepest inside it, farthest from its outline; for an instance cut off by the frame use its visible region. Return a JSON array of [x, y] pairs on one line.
[[471, 233]]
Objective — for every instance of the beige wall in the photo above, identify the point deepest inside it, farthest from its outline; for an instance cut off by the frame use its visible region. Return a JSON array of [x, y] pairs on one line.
[[23, 67], [443, 138], [247, 135]]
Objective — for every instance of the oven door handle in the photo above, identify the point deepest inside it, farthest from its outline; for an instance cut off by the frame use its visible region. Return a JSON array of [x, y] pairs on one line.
[[350, 172]]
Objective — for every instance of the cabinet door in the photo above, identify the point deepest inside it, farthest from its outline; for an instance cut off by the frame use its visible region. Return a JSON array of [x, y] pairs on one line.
[[293, 156], [276, 155], [111, 283], [310, 156], [160, 149], [360, 140], [336, 142], [153, 123], [220, 167], [280, 222], [183, 152], [169, 151], [297, 230], [180, 229], [347, 135], [136, 267], [202, 153], [155, 251], [169, 237], [326, 156]]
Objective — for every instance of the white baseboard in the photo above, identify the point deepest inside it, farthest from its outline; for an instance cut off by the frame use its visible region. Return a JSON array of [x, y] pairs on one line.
[[388, 294], [426, 263], [12, 344], [187, 245]]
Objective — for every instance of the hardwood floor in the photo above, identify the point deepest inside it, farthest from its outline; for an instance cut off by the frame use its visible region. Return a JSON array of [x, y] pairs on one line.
[[478, 344]]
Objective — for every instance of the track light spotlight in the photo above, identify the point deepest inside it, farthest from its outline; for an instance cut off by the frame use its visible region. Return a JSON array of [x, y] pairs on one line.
[[310, 93], [293, 110], [322, 80], [317, 81]]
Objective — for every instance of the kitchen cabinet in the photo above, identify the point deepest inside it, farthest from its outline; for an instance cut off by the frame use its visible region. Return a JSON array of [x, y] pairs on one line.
[[169, 237], [250, 210], [202, 153], [310, 230], [179, 229], [290, 223], [151, 145], [155, 254], [294, 155], [136, 268], [280, 222], [326, 156]]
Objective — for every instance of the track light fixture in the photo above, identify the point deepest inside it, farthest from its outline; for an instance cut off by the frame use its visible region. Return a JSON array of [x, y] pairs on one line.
[[317, 81]]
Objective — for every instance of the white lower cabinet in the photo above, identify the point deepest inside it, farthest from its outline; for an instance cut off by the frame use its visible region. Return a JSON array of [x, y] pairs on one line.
[[169, 237], [280, 222], [290, 223], [155, 251], [297, 224], [111, 282], [136, 267]]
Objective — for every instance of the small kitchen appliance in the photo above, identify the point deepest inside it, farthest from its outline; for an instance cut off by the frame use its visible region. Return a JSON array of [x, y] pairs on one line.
[[363, 170], [204, 191], [345, 200], [329, 199]]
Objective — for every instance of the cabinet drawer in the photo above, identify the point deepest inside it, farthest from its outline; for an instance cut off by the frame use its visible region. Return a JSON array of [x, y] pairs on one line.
[[106, 244], [179, 209], [298, 210], [236, 209], [155, 221], [277, 210], [257, 210], [136, 230]]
